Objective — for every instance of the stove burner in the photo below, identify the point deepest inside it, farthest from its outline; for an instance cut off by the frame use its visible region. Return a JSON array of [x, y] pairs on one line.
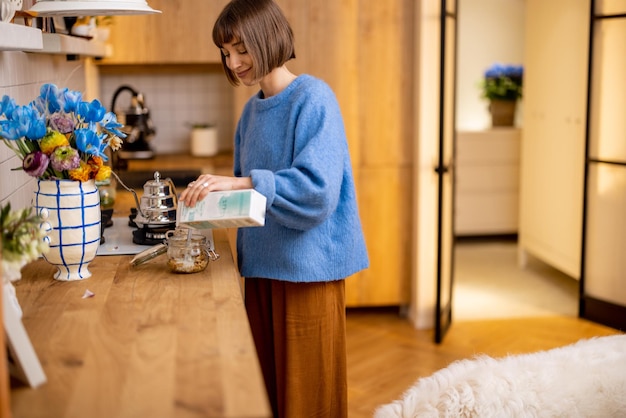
[[148, 236]]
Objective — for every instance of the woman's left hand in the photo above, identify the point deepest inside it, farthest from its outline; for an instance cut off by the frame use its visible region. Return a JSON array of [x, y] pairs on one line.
[[198, 189]]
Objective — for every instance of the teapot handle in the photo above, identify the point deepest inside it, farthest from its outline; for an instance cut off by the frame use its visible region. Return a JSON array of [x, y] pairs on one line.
[[128, 189], [171, 183]]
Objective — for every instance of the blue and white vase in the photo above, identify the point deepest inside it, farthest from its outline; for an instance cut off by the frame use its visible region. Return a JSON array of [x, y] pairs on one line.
[[72, 211]]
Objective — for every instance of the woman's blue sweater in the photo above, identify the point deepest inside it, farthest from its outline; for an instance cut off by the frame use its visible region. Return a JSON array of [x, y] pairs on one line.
[[293, 145]]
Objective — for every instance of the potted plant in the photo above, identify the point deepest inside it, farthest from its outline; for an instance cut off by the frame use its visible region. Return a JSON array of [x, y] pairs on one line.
[[62, 141], [502, 86]]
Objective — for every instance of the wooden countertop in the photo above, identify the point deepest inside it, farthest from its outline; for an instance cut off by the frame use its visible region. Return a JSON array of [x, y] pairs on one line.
[[149, 343]]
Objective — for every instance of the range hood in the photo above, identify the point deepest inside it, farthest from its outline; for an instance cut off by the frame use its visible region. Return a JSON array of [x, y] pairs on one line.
[[44, 8]]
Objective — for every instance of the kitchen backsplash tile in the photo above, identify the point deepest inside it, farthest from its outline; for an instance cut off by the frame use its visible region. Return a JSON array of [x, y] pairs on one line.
[[175, 101]]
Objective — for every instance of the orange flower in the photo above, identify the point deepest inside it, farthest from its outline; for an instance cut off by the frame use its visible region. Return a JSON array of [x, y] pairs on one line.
[[97, 160], [95, 164], [82, 173]]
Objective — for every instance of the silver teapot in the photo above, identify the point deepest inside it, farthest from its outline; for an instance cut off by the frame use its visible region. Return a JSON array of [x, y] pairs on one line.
[[158, 205]]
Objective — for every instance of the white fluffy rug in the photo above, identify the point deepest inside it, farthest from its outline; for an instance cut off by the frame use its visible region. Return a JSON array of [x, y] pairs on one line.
[[585, 379]]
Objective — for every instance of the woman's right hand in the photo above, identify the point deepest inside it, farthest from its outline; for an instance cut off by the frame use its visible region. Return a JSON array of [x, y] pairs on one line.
[[198, 189]]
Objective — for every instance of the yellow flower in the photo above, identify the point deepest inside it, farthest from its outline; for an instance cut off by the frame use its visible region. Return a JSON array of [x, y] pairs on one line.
[[104, 173], [51, 141], [81, 173]]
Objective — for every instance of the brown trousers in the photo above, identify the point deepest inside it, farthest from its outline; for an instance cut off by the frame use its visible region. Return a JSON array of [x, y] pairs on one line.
[[299, 330]]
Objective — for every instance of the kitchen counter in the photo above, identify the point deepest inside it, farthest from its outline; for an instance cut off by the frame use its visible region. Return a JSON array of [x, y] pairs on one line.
[[221, 163], [148, 343]]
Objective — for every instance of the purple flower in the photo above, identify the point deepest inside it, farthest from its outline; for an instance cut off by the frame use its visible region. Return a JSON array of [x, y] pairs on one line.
[[64, 158], [62, 124], [35, 163]]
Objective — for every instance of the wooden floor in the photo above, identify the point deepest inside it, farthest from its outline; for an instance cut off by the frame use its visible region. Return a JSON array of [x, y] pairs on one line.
[[386, 354]]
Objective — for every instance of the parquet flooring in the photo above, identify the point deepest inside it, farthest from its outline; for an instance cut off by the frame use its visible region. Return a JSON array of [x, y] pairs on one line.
[[386, 354]]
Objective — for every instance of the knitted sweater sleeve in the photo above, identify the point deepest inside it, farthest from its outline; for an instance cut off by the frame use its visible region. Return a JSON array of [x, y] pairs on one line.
[[304, 188]]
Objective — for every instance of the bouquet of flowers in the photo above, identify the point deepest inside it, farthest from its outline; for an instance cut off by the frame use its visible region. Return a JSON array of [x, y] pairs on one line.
[[503, 82], [60, 136], [22, 240]]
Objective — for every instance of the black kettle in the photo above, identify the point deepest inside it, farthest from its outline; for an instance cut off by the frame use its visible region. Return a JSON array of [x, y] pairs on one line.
[[138, 128]]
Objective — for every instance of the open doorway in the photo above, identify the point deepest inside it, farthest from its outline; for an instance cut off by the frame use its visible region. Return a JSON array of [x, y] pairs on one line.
[[488, 282]]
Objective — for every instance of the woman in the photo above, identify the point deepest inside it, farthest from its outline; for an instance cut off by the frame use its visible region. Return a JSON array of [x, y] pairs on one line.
[[290, 146]]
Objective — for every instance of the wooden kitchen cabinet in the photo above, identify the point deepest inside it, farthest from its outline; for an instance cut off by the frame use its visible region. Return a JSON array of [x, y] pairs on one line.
[[385, 205], [361, 49], [181, 34]]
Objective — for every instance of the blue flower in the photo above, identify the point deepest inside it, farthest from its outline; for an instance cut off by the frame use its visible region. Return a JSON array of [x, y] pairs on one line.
[[89, 142], [503, 82], [23, 121], [85, 131], [72, 100], [91, 112], [514, 71], [110, 124], [51, 97], [7, 105], [498, 70]]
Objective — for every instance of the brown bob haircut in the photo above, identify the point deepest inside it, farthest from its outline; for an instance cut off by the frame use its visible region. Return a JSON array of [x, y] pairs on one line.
[[264, 31]]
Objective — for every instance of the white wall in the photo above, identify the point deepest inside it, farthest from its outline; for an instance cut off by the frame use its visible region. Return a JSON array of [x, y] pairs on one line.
[[176, 98], [489, 31]]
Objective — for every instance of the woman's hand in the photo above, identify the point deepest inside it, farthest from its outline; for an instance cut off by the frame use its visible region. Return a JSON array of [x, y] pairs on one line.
[[206, 183]]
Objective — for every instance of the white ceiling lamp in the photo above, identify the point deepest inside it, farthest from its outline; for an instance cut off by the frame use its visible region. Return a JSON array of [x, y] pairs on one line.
[[45, 8]]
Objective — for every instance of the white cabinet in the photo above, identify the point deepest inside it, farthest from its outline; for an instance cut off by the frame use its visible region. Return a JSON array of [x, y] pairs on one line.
[[487, 182], [553, 140]]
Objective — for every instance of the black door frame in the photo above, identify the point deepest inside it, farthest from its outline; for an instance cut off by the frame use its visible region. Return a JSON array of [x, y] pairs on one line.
[[589, 307], [443, 309]]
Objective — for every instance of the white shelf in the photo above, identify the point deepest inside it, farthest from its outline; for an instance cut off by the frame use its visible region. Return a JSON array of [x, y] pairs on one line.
[[14, 37], [72, 45]]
